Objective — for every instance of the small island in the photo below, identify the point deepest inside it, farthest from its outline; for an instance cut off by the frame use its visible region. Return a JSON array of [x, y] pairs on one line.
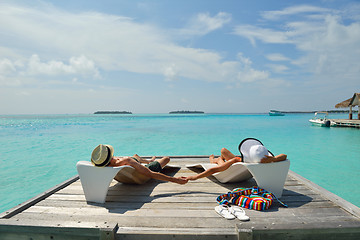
[[112, 112], [186, 112]]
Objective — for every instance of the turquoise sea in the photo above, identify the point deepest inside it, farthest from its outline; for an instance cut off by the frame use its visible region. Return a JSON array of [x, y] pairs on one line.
[[40, 151]]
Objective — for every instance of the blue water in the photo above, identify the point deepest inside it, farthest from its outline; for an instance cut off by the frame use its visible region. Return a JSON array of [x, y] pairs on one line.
[[38, 152]]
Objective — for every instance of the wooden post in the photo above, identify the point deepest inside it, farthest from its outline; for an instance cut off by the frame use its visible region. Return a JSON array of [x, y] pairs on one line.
[[359, 112], [244, 234], [350, 113]]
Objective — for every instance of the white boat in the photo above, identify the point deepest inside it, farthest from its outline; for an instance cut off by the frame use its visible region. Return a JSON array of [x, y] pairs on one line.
[[320, 119], [276, 113]]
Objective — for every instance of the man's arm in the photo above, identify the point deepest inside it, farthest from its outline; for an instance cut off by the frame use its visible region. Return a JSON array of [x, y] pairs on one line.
[[215, 169], [143, 160], [156, 175]]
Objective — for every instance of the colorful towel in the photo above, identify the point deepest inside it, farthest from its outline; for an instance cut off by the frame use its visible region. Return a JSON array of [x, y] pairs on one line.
[[252, 198]]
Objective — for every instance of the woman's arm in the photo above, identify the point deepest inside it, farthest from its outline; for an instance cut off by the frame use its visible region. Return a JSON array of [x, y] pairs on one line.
[[215, 169], [278, 158]]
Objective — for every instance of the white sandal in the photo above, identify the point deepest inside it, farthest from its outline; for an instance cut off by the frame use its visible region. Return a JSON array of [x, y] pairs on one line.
[[239, 213], [224, 211]]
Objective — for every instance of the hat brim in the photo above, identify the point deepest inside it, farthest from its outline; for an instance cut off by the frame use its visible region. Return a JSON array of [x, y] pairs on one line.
[[246, 144], [111, 150], [108, 158], [111, 154]]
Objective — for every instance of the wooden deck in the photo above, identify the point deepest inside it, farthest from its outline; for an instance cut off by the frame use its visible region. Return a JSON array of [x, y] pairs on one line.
[[354, 123], [158, 210]]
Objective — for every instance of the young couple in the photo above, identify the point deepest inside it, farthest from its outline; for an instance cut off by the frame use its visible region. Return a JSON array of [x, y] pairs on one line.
[[252, 150]]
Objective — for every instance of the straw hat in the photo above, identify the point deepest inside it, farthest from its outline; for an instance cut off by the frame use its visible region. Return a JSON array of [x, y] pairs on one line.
[[252, 150], [102, 155]]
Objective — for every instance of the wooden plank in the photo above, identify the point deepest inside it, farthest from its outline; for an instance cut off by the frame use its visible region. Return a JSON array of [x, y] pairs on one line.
[[194, 212], [39, 222], [131, 221], [135, 233], [165, 210], [307, 233], [185, 197], [19, 232], [268, 222], [119, 189], [179, 205]]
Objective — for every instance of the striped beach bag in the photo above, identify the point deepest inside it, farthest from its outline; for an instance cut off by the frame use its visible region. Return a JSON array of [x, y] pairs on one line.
[[252, 198]]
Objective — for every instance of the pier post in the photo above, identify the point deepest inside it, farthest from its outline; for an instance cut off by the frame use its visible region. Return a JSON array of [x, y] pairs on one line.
[[244, 233], [350, 113]]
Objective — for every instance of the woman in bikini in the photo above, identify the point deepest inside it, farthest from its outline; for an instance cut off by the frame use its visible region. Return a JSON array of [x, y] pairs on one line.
[[227, 159]]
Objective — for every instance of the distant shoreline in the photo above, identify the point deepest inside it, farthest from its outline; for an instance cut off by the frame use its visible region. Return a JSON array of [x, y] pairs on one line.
[[112, 112], [186, 112], [127, 112]]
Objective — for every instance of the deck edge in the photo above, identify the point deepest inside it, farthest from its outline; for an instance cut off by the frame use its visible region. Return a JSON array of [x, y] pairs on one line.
[[344, 204], [22, 206]]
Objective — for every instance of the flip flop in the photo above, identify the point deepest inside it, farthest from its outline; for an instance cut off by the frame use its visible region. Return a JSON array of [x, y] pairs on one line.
[[224, 211], [239, 213]]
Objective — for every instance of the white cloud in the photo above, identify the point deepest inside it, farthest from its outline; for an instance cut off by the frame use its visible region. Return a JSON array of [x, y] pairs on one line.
[[246, 62], [278, 68], [247, 74], [332, 51], [170, 72], [293, 10], [252, 75], [205, 23], [7, 71], [33, 70], [77, 65], [276, 57], [352, 11], [327, 46], [114, 43], [266, 35], [6, 66]]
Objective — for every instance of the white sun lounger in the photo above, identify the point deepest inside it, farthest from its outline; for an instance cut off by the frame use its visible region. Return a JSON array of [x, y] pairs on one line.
[[270, 176], [95, 181]]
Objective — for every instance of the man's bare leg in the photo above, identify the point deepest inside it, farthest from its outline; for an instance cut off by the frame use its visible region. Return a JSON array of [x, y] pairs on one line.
[[163, 161], [142, 160]]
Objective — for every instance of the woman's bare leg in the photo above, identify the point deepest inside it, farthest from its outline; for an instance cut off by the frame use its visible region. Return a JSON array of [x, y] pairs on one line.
[[226, 154], [218, 160]]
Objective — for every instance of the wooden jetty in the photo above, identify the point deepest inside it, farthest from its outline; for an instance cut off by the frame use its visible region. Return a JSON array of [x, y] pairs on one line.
[[354, 123], [162, 210]]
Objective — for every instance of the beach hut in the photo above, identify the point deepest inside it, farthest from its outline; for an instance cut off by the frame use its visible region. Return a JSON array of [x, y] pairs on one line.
[[351, 102]]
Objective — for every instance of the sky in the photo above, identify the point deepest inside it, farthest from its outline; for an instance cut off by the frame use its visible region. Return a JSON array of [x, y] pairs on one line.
[[234, 56]]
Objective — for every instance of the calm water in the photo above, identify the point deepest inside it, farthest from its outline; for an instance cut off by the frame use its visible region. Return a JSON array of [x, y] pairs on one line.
[[37, 152]]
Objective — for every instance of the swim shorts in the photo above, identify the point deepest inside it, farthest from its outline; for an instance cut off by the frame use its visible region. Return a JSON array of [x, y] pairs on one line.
[[153, 166]]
